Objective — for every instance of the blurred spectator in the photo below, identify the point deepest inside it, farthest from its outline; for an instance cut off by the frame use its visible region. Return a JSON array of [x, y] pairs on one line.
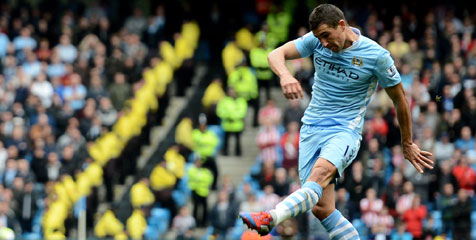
[[443, 149], [401, 233], [405, 201], [212, 96], [268, 140], [53, 166], [250, 204], [420, 182], [293, 113], [383, 225], [114, 64], [3, 157], [43, 89], [24, 171], [356, 184], [136, 23], [414, 217], [27, 206], [156, 27], [75, 93], [243, 191], [428, 142], [454, 125], [393, 191], [69, 163], [71, 137], [206, 142], [227, 185], [200, 181], [445, 203], [370, 155], [96, 89], [183, 223], [56, 68], [266, 175], [44, 52], [462, 216], [119, 91], [8, 218], [446, 176], [269, 113], [469, 113], [106, 112], [259, 61], [466, 141], [432, 116], [344, 205], [4, 41], [269, 199], [223, 215], [414, 56], [232, 111], [281, 184], [24, 40], [290, 146], [19, 140], [10, 172], [379, 125], [465, 175], [370, 207], [243, 81], [376, 177], [66, 51], [134, 48], [430, 229], [9, 69], [31, 67]]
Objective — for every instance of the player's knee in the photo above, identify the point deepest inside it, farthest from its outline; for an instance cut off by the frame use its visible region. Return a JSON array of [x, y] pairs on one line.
[[321, 212], [323, 175]]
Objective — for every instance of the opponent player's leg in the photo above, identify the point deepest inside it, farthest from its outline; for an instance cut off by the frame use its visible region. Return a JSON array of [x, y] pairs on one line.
[[302, 200], [336, 225]]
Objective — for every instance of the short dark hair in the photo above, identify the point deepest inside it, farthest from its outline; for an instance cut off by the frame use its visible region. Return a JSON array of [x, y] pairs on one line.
[[325, 14]]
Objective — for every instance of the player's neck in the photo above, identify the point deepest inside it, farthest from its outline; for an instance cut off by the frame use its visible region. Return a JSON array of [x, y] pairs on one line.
[[350, 37]]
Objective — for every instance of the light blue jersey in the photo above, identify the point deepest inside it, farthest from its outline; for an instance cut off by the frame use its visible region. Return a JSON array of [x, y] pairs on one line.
[[345, 81], [343, 85]]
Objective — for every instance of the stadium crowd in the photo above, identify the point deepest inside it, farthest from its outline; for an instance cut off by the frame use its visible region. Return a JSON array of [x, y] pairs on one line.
[[66, 79]]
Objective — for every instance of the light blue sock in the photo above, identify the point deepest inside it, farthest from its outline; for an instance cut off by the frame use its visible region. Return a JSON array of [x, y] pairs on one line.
[[298, 202], [339, 227]]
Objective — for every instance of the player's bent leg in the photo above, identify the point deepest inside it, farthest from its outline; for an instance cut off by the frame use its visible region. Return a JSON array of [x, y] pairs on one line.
[[322, 173], [298, 202], [336, 225], [326, 204]]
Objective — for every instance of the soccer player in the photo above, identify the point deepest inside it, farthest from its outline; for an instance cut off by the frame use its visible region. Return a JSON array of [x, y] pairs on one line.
[[348, 67]]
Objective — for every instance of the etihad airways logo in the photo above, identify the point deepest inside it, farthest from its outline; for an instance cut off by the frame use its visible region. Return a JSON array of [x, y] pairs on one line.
[[335, 69]]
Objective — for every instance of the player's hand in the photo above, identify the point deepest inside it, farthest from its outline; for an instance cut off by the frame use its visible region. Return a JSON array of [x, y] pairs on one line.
[[291, 87], [418, 158]]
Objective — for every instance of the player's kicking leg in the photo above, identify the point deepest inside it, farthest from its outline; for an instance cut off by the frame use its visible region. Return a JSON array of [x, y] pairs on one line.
[[336, 225], [298, 202]]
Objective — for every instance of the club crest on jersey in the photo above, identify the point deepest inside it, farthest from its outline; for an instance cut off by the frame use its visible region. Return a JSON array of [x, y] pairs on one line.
[[357, 61]]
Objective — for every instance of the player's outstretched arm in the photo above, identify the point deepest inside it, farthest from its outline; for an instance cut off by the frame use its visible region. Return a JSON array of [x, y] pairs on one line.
[[277, 60], [417, 157]]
